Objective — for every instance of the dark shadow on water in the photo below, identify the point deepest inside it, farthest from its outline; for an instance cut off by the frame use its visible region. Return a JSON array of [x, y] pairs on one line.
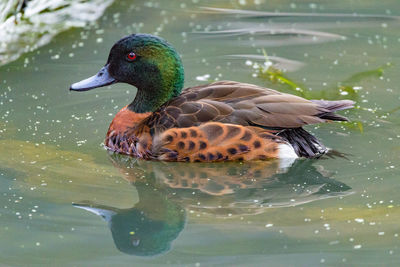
[[167, 190]]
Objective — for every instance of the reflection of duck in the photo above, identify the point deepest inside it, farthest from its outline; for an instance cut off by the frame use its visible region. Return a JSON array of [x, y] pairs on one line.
[[232, 188], [167, 189], [220, 121], [146, 229]]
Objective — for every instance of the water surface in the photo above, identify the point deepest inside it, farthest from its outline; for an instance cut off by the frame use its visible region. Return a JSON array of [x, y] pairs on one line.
[[66, 201]]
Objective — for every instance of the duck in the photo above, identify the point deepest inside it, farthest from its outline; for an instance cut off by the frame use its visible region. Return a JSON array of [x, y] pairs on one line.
[[219, 121]]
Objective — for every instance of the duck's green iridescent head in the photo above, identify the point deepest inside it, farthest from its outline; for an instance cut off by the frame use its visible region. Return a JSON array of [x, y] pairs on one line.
[[145, 61]]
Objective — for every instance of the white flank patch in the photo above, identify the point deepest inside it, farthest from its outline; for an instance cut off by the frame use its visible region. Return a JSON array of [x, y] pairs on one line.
[[286, 155]]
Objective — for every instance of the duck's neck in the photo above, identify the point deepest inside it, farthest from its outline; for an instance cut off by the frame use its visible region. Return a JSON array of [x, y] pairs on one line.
[[161, 82], [151, 96]]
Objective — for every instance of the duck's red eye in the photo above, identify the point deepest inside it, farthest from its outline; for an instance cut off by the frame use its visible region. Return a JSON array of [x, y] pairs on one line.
[[131, 56]]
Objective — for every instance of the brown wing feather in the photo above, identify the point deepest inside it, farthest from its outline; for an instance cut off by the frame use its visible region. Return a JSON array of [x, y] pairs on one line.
[[238, 103]]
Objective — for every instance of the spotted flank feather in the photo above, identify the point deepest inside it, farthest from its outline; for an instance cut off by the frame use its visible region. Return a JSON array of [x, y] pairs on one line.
[[215, 141]]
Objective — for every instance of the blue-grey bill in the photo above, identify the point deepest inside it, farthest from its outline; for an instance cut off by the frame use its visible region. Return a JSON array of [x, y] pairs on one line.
[[102, 78], [105, 214]]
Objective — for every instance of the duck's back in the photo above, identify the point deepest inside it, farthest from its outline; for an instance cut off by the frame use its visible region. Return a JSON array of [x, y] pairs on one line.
[[243, 104]]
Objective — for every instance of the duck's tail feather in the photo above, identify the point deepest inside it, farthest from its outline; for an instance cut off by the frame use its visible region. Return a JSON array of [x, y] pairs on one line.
[[303, 143], [331, 107]]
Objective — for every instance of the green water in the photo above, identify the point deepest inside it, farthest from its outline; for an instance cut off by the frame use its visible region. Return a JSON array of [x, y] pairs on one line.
[[55, 176]]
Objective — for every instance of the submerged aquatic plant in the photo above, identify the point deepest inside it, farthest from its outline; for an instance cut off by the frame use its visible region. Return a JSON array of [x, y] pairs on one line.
[[26, 25]]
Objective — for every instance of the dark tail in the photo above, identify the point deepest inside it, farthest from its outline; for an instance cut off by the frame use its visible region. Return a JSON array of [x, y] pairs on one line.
[[304, 143]]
